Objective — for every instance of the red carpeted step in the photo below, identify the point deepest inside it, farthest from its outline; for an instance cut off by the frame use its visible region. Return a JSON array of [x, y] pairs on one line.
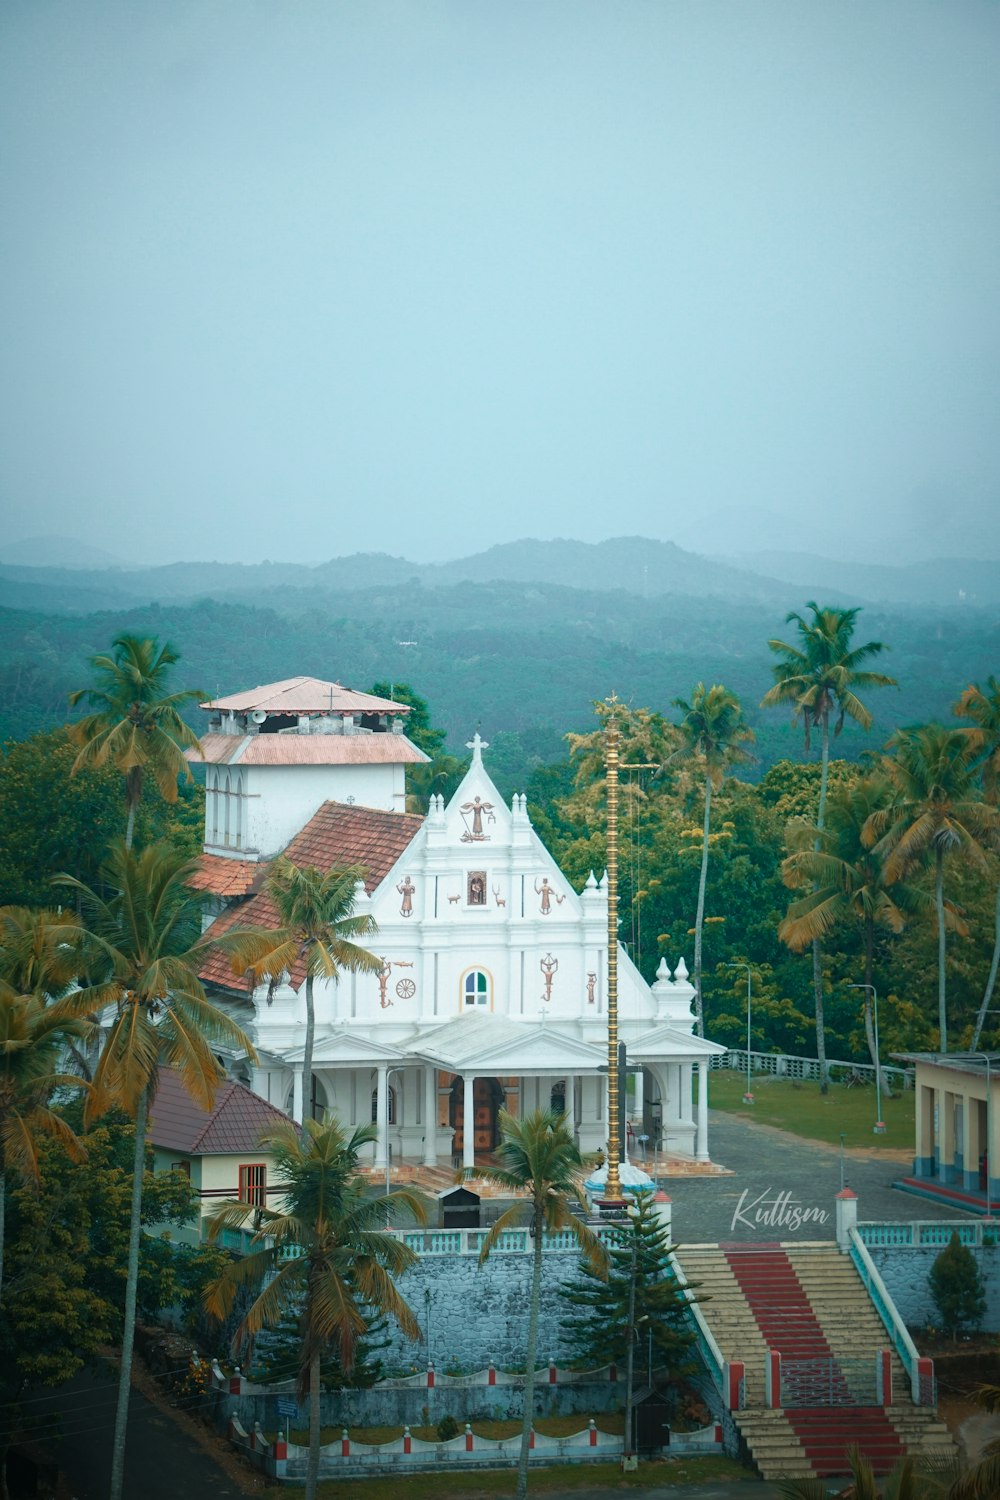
[[826, 1433]]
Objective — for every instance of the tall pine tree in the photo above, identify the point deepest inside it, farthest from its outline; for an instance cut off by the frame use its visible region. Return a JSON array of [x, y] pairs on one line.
[[597, 1320]]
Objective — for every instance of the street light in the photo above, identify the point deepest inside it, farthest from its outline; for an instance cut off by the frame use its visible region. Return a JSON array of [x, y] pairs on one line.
[[390, 1073], [627, 1458], [748, 1096], [879, 1127]]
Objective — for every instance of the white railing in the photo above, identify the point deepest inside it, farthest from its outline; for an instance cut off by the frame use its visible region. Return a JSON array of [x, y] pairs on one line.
[[704, 1338], [887, 1311], [929, 1232], [509, 1242], [783, 1065]]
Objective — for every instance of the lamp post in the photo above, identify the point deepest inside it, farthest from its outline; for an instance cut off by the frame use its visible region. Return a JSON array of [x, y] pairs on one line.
[[633, 1214], [879, 1126], [390, 1073], [748, 1096]]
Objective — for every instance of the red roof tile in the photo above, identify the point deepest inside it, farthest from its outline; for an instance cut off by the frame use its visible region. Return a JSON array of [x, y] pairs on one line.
[[336, 835], [225, 877], [234, 1124], [306, 750], [304, 695]]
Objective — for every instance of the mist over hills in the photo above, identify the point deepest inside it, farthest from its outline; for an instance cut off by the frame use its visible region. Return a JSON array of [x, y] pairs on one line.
[[635, 565], [520, 657]]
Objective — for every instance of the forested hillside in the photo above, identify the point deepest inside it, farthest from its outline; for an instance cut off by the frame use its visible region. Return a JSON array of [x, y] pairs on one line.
[[515, 659]]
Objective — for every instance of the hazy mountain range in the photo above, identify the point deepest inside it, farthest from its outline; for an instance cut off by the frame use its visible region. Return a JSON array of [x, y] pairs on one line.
[[65, 576]]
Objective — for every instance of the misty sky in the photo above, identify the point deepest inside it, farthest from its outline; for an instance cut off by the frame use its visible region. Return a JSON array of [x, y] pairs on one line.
[[292, 280]]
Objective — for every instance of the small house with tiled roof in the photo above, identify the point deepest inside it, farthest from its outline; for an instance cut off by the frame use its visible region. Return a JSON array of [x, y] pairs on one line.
[[218, 1149], [492, 987]]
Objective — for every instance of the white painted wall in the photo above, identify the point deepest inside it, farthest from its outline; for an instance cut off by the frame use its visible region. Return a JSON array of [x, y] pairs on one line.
[[282, 799]]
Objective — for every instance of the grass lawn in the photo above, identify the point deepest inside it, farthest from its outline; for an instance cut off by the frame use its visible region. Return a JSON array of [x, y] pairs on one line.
[[472, 1486], [801, 1109]]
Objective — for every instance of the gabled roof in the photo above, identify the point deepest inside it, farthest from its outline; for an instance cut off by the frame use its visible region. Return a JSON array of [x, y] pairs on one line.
[[670, 1042], [305, 750], [225, 877], [336, 835], [306, 695], [501, 1045], [233, 1125]]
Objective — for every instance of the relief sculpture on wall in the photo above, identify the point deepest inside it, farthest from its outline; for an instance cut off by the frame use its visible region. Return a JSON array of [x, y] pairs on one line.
[[404, 989], [474, 814], [548, 894], [548, 966]]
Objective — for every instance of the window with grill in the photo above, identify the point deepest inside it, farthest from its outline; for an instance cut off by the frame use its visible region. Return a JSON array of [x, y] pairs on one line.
[[253, 1184]]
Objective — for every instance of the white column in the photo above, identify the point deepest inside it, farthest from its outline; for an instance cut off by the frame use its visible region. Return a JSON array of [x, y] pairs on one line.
[[468, 1121], [639, 1098], [684, 1106], [571, 1102], [297, 1093], [701, 1148], [430, 1117], [382, 1116]]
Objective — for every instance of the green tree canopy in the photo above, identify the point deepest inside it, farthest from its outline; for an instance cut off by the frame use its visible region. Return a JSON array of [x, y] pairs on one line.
[[537, 1158], [324, 1255], [597, 1318], [135, 725]]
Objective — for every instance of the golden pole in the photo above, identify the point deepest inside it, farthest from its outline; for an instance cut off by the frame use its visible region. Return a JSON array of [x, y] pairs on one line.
[[613, 1193]]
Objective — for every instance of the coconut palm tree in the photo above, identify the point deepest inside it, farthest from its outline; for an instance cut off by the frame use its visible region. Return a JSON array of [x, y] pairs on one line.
[[39, 956], [820, 678], [537, 1158], [33, 1035], [324, 1255], [136, 724], [934, 811], [846, 882], [983, 708], [713, 732], [316, 926], [142, 953]]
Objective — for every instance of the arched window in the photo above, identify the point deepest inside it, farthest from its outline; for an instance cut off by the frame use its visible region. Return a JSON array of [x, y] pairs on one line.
[[557, 1098], [229, 798], [392, 1104], [475, 989]]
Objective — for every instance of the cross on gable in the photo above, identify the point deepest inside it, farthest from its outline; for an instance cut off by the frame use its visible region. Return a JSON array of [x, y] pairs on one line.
[[477, 746]]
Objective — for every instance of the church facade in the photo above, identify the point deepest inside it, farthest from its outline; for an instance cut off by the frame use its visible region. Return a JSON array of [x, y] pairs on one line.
[[492, 987]]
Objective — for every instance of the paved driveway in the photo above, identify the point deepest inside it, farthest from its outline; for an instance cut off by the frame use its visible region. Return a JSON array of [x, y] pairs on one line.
[[780, 1185], [162, 1460]]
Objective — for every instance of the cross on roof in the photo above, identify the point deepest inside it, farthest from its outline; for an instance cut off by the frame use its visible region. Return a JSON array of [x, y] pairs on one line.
[[477, 746]]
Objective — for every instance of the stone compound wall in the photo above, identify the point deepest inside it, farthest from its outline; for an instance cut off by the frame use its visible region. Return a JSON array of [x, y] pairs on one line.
[[905, 1269], [471, 1314]]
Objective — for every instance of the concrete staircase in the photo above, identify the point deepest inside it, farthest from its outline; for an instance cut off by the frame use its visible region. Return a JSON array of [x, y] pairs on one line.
[[807, 1302]]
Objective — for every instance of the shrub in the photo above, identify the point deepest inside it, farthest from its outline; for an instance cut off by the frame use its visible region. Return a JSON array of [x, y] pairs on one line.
[[957, 1288]]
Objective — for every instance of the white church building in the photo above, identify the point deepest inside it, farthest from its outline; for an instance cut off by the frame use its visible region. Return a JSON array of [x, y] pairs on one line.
[[492, 990]]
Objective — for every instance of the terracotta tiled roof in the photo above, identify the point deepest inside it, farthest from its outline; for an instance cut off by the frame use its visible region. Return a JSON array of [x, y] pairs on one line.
[[225, 877], [235, 1123], [306, 750], [336, 835], [306, 695]]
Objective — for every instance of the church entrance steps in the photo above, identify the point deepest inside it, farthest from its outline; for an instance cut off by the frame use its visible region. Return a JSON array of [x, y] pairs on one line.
[[808, 1303]]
